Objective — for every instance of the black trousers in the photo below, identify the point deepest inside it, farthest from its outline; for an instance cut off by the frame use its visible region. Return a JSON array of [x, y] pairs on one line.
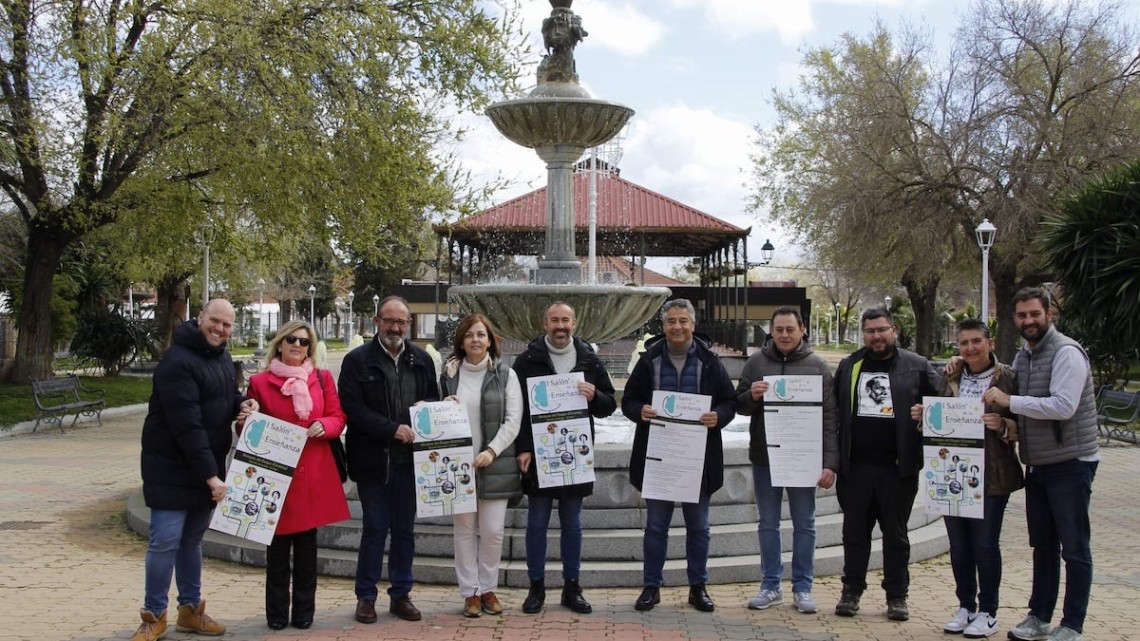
[[869, 494], [303, 546]]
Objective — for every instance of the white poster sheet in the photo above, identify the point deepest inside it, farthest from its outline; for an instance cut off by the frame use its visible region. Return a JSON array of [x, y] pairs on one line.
[[675, 456], [560, 426], [793, 425], [443, 457], [257, 481], [953, 446]]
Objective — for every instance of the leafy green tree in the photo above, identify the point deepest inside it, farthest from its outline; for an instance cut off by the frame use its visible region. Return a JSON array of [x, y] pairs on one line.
[[1091, 244], [310, 118]]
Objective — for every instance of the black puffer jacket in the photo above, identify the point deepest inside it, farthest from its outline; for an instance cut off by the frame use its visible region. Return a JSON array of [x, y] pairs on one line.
[[535, 361], [188, 428]]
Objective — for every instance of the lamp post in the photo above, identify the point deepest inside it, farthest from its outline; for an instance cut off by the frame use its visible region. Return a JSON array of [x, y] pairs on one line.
[[375, 305], [312, 304], [986, 232], [766, 253], [351, 318], [887, 303], [260, 316], [837, 323]]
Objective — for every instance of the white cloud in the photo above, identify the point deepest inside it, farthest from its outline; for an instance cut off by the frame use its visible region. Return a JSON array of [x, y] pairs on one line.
[[791, 20]]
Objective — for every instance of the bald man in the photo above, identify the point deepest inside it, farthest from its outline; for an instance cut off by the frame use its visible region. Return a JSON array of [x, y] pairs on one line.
[[185, 439]]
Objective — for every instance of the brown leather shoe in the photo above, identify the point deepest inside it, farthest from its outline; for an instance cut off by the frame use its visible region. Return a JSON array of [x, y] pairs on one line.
[[472, 607], [491, 603], [402, 607], [152, 628], [194, 619], [365, 611]]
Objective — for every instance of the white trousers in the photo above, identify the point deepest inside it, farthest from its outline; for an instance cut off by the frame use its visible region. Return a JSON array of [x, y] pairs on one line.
[[479, 547]]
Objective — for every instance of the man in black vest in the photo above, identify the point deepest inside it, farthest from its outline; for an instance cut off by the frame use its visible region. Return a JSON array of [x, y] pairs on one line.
[[379, 381], [1057, 442], [558, 351], [880, 452]]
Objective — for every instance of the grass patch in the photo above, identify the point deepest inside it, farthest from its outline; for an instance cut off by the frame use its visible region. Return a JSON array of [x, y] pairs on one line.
[[17, 404]]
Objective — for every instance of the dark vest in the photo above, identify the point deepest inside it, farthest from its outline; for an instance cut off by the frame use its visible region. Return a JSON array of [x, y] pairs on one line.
[[1042, 442], [500, 479]]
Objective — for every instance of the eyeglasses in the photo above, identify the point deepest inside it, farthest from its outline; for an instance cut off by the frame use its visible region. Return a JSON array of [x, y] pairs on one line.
[[398, 322], [871, 331], [293, 340]]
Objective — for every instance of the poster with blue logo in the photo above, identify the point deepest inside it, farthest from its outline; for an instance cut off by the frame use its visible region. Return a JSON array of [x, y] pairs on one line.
[[793, 425], [442, 458], [675, 454], [560, 425], [258, 478], [953, 446]]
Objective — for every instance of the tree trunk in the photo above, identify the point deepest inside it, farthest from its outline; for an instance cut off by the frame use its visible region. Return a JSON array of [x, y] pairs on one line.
[[170, 307], [34, 343], [1005, 286], [923, 295]]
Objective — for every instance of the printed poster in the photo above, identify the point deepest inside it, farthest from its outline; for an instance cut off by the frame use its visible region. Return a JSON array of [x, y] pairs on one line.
[[793, 424], [675, 456], [953, 445], [257, 481], [560, 425], [442, 456]]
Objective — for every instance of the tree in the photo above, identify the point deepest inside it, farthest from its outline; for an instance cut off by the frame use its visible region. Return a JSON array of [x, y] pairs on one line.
[[1091, 245], [312, 117]]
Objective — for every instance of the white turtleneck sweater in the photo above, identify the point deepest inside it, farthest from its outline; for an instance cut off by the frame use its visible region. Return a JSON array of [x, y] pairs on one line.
[[470, 393], [563, 359]]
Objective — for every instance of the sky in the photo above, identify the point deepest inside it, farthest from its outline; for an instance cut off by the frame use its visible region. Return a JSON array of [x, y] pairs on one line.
[[700, 76]]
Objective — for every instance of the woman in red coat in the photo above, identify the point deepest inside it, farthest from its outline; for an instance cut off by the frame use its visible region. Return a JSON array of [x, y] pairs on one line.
[[289, 389]]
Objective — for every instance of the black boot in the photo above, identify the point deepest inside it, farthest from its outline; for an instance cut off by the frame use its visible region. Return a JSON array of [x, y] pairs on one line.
[[535, 597], [573, 599]]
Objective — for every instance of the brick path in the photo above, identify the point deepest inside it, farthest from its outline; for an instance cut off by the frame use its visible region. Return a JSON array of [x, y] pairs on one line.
[[70, 569]]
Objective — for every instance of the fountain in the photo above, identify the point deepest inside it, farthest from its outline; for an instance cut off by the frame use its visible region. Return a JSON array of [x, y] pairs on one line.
[[559, 120]]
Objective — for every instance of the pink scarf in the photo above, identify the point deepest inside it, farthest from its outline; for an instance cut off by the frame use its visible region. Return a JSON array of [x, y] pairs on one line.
[[296, 384]]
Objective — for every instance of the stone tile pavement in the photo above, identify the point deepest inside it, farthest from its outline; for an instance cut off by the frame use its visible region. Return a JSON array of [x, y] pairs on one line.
[[70, 569]]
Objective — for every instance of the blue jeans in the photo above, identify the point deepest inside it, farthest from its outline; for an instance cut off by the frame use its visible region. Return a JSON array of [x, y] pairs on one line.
[[175, 548], [387, 508], [801, 504], [975, 556], [657, 517], [1057, 509], [570, 522]]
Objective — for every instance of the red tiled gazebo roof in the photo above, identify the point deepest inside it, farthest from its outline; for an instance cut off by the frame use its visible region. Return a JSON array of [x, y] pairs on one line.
[[632, 220]]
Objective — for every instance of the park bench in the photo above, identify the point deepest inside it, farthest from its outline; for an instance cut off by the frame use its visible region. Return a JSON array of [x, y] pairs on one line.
[[58, 397], [1116, 412]]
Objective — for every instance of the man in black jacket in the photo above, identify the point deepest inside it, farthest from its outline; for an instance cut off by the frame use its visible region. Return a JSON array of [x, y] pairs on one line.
[[880, 456], [558, 352], [185, 438], [678, 362], [379, 381]]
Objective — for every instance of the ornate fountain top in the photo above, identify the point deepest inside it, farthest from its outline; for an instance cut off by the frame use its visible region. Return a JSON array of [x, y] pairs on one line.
[[561, 32]]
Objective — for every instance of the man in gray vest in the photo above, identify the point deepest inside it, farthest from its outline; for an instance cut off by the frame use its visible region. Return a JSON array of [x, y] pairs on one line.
[[1057, 442]]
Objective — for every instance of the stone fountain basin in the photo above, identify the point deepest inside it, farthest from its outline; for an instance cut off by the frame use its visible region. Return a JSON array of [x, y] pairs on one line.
[[603, 313], [549, 121]]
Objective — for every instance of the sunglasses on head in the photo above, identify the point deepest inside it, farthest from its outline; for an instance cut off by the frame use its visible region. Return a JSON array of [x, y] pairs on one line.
[[293, 340]]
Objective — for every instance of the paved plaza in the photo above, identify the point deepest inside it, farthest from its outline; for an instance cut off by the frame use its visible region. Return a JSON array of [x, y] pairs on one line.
[[70, 569]]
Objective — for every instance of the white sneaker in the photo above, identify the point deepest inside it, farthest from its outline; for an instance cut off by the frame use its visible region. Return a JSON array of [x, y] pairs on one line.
[[962, 619], [982, 626], [1030, 629], [804, 603], [765, 599]]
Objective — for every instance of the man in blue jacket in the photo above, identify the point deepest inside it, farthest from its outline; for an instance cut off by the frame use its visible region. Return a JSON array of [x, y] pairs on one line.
[[185, 438], [680, 363], [880, 456], [379, 382]]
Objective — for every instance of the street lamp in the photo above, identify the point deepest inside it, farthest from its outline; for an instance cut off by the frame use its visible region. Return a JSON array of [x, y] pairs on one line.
[[837, 323], [351, 318], [887, 303], [312, 304], [375, 305], [986, 232], [260, 316]]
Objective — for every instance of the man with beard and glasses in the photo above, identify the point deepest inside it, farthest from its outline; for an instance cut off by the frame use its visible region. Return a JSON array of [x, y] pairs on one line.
[[558, 351], [1056, 413], [379, 382], [880, 455]]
